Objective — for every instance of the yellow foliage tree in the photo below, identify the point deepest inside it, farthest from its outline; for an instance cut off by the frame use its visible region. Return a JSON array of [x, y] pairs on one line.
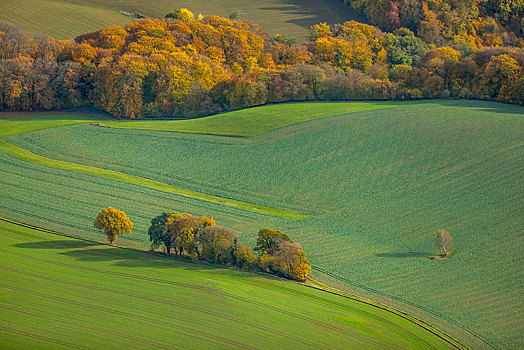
[[181, 230], [83, 53], [290, 260], [182, 14], [320, 30], [113, 222], [245, 257]]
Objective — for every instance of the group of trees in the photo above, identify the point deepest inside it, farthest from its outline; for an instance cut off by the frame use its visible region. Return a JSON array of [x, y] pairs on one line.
[[201, 239], [488, 22], [182, 66]]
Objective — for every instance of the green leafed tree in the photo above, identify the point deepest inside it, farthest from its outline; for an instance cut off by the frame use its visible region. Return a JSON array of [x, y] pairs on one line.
[[156, 231], [113, 222], [268, 240]]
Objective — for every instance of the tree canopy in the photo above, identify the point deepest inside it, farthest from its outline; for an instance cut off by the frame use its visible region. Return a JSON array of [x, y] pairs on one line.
[[201, 239], [186, 67], [268, 240], [177, 231], [113, 222]]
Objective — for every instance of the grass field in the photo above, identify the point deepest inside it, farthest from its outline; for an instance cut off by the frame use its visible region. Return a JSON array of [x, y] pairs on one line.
[[258, 120], [137, 300], [378, 183], [64, 19]]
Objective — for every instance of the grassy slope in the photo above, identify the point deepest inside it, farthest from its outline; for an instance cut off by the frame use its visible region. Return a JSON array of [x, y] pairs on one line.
[[60, 19], [258, 120], [130, 299], [26, 122], [378, 183], [67, 19]]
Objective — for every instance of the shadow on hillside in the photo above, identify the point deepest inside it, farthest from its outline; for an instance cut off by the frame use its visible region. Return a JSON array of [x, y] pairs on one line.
[[120, 258], [333, 11], [132, 258], [94, 252], [404, 255], [59, 244], [485, 106]]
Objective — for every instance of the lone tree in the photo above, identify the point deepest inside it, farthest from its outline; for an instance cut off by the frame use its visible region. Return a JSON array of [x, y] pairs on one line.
[[113, 222], [443, 242]]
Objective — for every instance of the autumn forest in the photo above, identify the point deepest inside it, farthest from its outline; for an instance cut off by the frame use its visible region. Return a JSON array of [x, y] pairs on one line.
[[189, 65]]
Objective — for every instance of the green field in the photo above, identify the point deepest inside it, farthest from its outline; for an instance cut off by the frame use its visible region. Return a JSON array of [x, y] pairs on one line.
[[258, 120], [64, 19], [131, 299], [378, 184]]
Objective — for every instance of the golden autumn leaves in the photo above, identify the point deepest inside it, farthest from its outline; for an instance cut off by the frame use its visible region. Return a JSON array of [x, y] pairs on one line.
[[113, 222], [201, 239]]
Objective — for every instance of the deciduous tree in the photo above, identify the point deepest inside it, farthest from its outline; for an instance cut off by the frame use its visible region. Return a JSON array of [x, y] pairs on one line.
[[217, 244], [244, 257], [177, 231], [113, 222], [443, 242], [289, 260], [268, 240]]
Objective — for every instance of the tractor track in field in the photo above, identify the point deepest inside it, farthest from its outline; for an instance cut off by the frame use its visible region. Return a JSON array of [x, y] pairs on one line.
[[192, 332], [208, 290], [449, 340], [39, 337], [327, 303], [162, 301], [85, 326], [146, 182], [455, 343]]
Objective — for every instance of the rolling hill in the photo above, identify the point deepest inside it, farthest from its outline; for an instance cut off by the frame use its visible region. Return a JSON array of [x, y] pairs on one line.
[[67, 19], [377, 184], [59, 292]]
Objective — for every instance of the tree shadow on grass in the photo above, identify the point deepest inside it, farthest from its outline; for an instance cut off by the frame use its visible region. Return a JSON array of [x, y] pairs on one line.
[[121, 258], [307, 12], [58, 244], [132, 258], [404, 255], [94, 252]]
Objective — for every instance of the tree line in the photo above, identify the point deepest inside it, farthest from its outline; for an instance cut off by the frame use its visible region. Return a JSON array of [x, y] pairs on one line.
[[200, 239], [453, 22], [187, 67]]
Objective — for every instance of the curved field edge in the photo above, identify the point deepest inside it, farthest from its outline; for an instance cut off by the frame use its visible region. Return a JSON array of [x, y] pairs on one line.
[[390, 252], [255, 121], [426, 325], [248, 122], [65, 19], [21, 153], [343, 310]]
